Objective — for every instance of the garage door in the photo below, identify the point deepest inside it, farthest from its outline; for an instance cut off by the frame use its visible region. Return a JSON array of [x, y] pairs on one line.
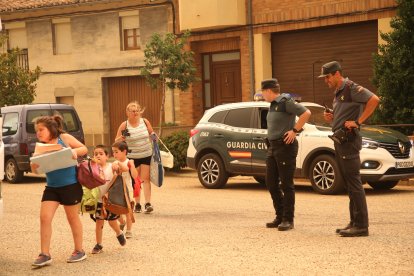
[[124, 90], [297, 57]]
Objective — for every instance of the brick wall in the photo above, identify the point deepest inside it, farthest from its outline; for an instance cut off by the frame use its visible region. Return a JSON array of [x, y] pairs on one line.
[[191, 102], [274, 16], [299, 14]]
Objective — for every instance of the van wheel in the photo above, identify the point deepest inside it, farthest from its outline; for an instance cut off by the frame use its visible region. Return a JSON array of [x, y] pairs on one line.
[[12, 172], [211, 171], [325, 176], [383, 185]]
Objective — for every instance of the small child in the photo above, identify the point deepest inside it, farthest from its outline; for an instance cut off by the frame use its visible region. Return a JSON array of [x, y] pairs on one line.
[[126, 167], [101, 157]]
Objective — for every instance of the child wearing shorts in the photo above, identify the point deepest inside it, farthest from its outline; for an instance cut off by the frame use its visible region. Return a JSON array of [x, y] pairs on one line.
[[101, 157]]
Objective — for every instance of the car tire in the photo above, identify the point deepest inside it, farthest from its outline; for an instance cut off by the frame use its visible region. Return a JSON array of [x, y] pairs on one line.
[[325, 176], [383, 185], [260, 179], [11, 171], [211, 171]]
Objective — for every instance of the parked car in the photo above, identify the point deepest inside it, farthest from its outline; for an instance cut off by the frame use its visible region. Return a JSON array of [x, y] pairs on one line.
[[19, 136], [228, 141], [1, 168]]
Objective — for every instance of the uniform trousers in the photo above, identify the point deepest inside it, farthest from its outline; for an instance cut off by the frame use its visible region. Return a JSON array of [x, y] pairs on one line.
[[281, 165], [349, 162]]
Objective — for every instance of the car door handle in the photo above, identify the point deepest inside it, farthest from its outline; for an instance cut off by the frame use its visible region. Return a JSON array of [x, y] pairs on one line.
[[219, 135], [258, 139]]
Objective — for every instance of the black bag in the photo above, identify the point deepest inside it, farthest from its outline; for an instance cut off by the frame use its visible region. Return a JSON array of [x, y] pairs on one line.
[[117, 199]]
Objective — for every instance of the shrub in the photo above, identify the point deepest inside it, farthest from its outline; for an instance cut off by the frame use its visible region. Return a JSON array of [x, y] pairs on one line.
[[177, 143]]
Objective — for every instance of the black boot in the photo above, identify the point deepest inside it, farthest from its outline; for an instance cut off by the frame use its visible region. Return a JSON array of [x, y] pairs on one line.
[[354, 232], [349, 226], [286, 225], [274, 224]]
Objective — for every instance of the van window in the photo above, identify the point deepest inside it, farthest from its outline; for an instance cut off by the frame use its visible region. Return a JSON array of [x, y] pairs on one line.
[[31, 117], [10, 123], [69, 119]]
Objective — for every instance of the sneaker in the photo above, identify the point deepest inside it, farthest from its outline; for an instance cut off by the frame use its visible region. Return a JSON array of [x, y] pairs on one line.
[[121, 238], [97, 249], [148, 208], [137, 208], [77, 256], [42, 260], [128, 234]]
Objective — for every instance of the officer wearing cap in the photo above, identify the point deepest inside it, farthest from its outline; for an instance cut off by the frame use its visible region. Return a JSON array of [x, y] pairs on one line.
[[352, 105], [282, 129]]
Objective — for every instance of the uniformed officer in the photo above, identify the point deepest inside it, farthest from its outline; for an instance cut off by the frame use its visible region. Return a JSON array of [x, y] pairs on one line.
[[352, 105], [282, 151]]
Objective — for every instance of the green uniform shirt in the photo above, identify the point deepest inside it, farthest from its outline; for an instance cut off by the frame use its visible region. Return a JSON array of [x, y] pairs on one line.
[[282, 116], [349, 102]]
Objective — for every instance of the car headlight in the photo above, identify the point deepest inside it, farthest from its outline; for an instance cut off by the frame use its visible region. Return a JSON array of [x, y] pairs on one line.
[[369, 144]]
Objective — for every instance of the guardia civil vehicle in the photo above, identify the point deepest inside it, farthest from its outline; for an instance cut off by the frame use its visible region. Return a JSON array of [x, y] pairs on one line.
[[228, 141]]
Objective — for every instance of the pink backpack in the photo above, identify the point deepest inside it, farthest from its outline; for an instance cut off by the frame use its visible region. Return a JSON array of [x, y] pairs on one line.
[[89, 174]]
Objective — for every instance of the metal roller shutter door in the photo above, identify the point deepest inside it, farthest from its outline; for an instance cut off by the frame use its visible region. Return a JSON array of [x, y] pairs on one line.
[[297, 57]]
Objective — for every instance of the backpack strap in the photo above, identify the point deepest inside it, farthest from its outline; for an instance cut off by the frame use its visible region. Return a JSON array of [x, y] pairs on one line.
[[128, 201], [149, 127]]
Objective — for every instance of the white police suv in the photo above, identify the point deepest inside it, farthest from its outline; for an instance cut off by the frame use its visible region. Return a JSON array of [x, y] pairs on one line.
[[228, 141]]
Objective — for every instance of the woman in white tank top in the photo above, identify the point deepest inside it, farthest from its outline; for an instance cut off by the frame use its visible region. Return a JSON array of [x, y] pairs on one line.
[[137, 132]]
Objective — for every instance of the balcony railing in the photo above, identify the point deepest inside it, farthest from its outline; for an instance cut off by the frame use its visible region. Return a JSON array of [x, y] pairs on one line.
[[23, 58]]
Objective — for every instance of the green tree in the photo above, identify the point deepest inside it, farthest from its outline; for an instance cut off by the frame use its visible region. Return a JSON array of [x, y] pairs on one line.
[[17, 85], [394, 70], [168, 64]]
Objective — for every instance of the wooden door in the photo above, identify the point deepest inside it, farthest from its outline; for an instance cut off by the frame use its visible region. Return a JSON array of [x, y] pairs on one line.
[[123, 90], [226, 82]]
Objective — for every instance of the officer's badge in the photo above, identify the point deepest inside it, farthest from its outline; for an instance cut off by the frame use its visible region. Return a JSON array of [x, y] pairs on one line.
[[342, 97], [276, 108]]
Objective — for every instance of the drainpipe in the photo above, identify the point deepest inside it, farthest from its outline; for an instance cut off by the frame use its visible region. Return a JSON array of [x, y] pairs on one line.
[[251, 48]]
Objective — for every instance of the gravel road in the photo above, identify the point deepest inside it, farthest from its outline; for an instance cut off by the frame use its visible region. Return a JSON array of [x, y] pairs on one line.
[[195, 231]]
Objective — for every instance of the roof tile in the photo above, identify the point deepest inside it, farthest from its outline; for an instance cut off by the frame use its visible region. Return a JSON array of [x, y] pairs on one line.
[[9, 6]]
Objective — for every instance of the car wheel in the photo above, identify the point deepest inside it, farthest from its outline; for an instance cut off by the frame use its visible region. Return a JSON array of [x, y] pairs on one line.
[[383, 185], [211, 171], [12, 172], [260, 179], [325, 176]]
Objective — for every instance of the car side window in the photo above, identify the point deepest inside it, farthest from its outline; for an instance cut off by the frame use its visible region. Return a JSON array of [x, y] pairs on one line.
[[239, 117], [218, 117], [263, 118], [69, 119], [10, 123], [32, 116]]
